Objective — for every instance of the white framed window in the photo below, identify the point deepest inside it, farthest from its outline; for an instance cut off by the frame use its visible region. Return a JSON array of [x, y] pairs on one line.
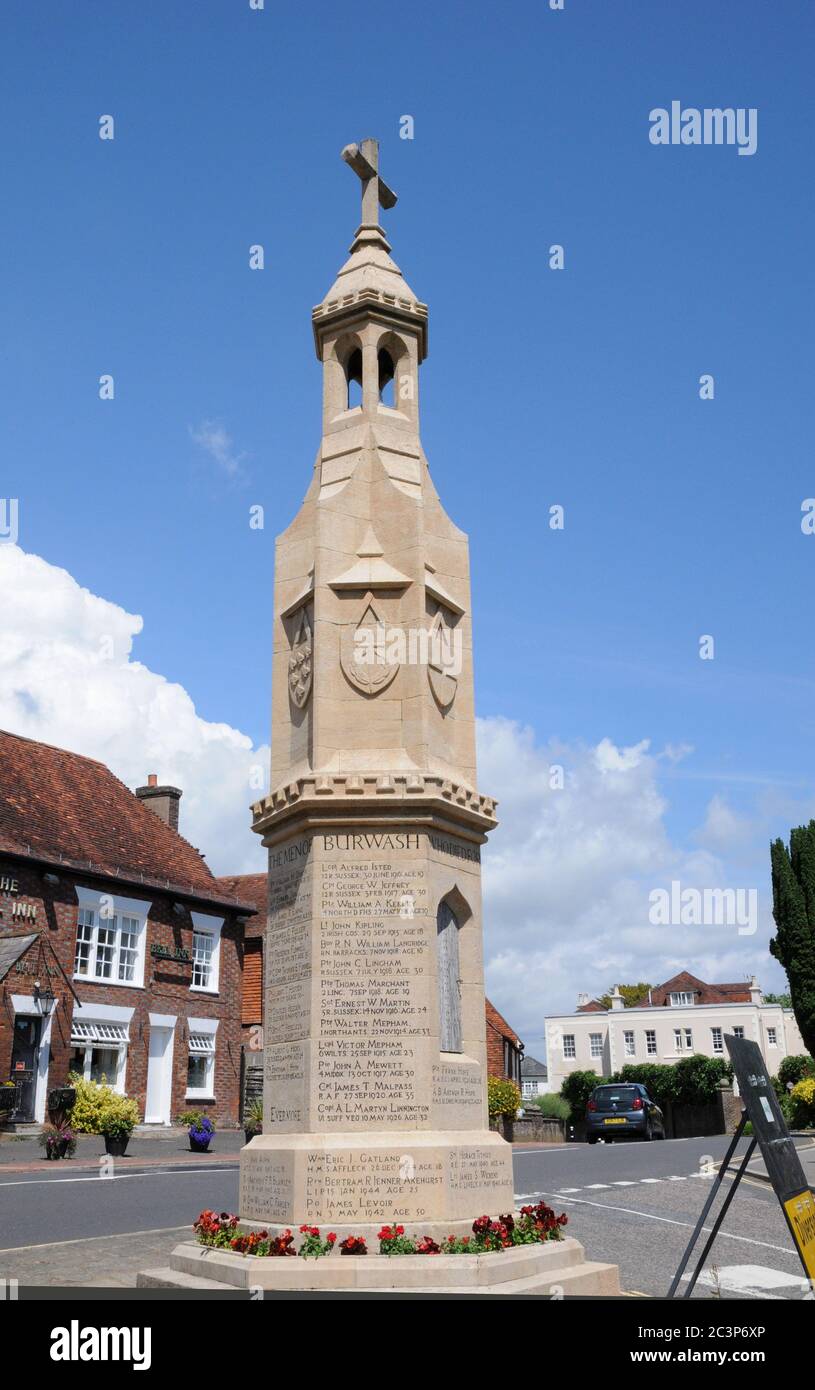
[[772, 1037], [683, 1039], [628, 1042], [738, 1030], [569, 1049], [718, 1044], [201, 1059], [596, 1044], [681, 999], [110, 938], [100, 1035], [651, 1042], [206, 952]]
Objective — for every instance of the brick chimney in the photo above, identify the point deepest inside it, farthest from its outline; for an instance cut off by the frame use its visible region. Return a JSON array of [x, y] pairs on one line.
[[162, 801]]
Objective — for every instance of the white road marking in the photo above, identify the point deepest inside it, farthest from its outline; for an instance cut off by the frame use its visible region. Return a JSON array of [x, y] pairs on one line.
[[622, 1183], [669, 1221], [83, 1240], [593, 1186], [755, 1279], [675, 1179], [567, 1189], [650, 1179], [117, 1177]]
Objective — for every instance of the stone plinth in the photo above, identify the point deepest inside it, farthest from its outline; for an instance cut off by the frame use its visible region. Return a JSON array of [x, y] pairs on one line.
[[556, 1269], [369, 1116]]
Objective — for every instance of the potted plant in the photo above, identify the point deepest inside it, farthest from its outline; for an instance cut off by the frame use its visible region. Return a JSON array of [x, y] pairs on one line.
[[59, 1141], [253, 1119], [200, 1133], [117, 1127], [8, 1097]]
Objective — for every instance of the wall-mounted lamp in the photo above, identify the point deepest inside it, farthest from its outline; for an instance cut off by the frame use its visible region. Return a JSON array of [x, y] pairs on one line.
[[179, 909], [51, 878], [43, 998]]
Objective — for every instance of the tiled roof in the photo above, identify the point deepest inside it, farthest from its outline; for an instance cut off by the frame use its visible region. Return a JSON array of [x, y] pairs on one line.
[[530, 1066], [65, 809], [500, 1024], [685, 983], [250, 888], [593, 1007], [11, 948]]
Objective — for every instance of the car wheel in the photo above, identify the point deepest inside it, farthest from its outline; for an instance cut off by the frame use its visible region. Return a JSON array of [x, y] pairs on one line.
[[591, 1139]]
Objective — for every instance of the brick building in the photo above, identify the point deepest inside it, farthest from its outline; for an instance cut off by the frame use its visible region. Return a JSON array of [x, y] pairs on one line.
[[504, 1048], [121, 955]]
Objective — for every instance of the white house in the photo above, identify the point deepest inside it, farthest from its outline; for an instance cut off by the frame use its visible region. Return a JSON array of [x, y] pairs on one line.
[[681, 1016], [534, 1078]]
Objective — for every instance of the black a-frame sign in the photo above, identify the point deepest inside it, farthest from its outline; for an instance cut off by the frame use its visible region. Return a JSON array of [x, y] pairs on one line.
[[778, 1150]]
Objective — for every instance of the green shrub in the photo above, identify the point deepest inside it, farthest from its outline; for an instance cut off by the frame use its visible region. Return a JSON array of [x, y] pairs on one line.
[[503, 1097], [576, 1089], [802, 1103], [98, 1109], [553, 1105], [190, 1119], [795, 1068]]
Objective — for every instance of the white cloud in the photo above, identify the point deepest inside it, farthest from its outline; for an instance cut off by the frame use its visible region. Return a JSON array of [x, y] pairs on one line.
[[568, 873], [215, 440], [68, 677]]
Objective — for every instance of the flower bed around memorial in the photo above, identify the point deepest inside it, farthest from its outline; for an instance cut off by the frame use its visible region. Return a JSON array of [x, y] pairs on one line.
[[533, 1225]]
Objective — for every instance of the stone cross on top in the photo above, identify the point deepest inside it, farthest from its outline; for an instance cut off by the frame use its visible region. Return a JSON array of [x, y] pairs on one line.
[[364, 160]]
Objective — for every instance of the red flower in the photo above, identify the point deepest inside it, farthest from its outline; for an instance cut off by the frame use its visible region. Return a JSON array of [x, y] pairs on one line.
[[332, 1236]]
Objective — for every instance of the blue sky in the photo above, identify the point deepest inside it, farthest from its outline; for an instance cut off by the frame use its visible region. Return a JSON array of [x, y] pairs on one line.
[[577, 387]]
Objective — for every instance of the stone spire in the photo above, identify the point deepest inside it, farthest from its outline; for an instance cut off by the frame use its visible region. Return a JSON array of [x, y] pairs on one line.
[[375, 1049]]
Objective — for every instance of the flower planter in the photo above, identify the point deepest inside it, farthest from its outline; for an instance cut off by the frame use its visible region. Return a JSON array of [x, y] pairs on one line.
[[57, 1150], [250, 1134], [199, 1146], [116, 1145]]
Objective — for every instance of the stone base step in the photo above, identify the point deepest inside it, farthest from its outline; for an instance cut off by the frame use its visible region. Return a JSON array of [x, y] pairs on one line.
[[548, 1270], [588, 1280], [166, 1278]]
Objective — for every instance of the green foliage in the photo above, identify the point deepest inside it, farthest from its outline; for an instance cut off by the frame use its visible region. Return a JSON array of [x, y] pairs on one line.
[[190, 1119], [555, 1106], [253, 1116], [793, 873], [632, 995], [698, 1077], [576, 1089], [658, 1078], [503, 1097], [802, 1104], [785, 1000], [793, 1069], [98, 1109], [693, 1081]]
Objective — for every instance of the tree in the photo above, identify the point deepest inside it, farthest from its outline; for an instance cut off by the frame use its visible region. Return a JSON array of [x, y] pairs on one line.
[[576, 1089], [785, 1000], [632, 995], [793, 945]]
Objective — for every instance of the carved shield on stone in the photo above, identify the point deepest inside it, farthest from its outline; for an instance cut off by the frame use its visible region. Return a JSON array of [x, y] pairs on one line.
[[300, 663], [442, 662], [370, 652]]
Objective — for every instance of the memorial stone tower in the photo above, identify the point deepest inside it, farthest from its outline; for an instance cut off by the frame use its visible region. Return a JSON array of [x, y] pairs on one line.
[[374, 1034]]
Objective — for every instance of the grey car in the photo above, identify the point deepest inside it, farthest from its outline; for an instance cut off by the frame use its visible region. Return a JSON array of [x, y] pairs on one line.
[[623, 1112]]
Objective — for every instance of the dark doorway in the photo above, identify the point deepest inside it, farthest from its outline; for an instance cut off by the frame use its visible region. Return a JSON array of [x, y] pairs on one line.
[[24, 1058]]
